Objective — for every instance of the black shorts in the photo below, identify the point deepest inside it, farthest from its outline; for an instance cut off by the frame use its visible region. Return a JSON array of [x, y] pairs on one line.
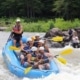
[[17, 38]]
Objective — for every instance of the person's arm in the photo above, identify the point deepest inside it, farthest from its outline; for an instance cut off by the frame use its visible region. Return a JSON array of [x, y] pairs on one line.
[[46, 47], [22, 49], [29, 58], [13, 29], [21, 30]]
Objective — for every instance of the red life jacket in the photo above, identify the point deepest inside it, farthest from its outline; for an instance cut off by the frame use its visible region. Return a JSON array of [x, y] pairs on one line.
[[17, 28]]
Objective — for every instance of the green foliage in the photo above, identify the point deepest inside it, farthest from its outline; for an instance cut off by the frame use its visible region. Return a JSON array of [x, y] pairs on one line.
[[41, 25], [64, 25]]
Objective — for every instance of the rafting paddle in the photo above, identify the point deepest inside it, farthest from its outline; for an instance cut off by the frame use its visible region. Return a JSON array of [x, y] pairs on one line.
[[27, 70], [66, 51], [14, 48]]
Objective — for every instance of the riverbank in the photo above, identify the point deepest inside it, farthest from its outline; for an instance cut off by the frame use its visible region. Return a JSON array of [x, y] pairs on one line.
[[40, 25]]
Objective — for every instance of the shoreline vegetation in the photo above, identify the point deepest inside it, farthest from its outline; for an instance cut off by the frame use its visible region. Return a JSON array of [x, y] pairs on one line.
[[40, 25]]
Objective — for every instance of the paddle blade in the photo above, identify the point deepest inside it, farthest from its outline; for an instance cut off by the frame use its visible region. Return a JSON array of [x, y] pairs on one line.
[[66, 51], [62, 60], [13, 48], [57, 39], [27, 70]]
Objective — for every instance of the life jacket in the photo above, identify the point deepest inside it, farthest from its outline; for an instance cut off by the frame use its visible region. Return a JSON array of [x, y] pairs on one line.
[[28, 49], [35, 43], [44, 58], [16, 28]]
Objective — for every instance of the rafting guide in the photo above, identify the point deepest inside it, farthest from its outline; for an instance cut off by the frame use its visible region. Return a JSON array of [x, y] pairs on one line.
[[17, 31]]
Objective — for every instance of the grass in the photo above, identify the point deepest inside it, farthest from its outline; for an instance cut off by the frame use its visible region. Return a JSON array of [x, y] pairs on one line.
[[40, 25]]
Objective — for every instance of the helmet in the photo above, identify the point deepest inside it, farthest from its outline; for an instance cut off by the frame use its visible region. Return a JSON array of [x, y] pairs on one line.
[[18, 20], [41, 41], [34, 48], [29, 39], [41, 48]]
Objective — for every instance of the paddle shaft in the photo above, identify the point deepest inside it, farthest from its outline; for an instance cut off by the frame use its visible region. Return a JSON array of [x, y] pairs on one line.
[[10, 36]]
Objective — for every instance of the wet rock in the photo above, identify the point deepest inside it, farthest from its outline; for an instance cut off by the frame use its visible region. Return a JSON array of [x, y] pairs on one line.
[[78, 31], [65, 33], [53, 32], [56, 45]]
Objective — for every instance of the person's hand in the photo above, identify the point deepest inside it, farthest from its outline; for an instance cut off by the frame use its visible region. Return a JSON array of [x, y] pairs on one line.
[[40, 61], [12, 30], [35, 63]]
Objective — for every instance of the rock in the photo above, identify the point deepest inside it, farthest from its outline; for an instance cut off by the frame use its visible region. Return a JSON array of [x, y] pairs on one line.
[[56, 45], [65, 33], [57, 32], [53, 32], [78, 31]]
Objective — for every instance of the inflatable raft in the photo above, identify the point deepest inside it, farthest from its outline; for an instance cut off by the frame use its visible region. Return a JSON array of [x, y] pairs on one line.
[[13, 64]]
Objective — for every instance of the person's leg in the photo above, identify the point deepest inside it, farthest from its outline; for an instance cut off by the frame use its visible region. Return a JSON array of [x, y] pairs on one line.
[[41, 66], [73, 45], [47, 66], [22, 58], [14, 41], [35, 65], [77, 45], [21, 43]]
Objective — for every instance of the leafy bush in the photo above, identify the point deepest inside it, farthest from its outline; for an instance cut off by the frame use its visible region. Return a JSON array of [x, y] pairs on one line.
[[41, 25]]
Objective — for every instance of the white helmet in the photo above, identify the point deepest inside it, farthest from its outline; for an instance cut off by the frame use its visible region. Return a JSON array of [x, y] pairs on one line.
[[34, 48], [18, 20], [29, 39], [41, 48], [41, 41]]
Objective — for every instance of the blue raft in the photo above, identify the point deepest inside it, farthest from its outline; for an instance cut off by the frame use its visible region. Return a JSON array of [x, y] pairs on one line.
[[15, 67]]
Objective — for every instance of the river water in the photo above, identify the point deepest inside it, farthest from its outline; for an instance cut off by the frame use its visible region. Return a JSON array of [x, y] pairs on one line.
[[70, 71]]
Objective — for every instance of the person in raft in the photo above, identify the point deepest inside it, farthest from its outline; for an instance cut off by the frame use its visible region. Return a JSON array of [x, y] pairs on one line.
[[27, 46], [17, 32], [36, 40], [26, 53], [41, 43], [75, 40], [30, 58], [43, 59], [40, 59]]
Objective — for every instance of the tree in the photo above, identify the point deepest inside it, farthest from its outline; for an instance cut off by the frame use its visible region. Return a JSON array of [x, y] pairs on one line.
[[47, 7], [69, 9]]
